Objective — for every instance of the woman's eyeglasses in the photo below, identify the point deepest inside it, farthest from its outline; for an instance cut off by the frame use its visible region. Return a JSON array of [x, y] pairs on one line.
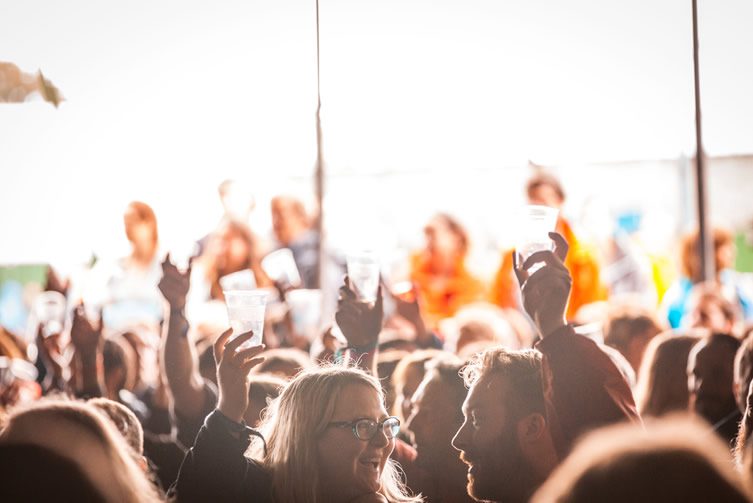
[[366, 429]]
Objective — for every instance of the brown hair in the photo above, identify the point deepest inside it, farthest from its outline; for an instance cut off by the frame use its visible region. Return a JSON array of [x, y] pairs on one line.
[[124, 420], [662, 378], [448, 369], [522, 369], [689, 262], [292, 357], [143, 213], [672, 460], [542, 178], [400, 374], [121, 479]]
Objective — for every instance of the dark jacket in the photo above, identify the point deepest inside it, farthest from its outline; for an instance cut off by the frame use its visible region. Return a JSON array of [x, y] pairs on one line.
[[583, 388], [216, 469]]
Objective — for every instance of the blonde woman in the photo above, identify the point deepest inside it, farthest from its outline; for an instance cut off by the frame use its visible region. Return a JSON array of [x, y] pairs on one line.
[[82, 435], [328, 438]]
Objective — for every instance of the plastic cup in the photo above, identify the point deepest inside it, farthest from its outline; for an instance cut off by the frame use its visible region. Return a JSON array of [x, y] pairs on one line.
[[50, 310], [363, 272], [245, 311], [536, 222], [281, 268], [305, 312], [241, 280]]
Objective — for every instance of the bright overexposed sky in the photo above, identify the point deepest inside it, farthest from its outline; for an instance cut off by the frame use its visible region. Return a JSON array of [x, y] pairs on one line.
[[164, 99]]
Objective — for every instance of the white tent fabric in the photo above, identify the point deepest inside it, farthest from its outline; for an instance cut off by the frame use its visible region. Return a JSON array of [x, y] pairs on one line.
[[166, 99]]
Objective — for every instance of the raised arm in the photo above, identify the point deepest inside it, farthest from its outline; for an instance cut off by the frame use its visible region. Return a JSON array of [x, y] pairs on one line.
[[360, 323], [583, 387], [215, 468], [179, 360], [88, 341]]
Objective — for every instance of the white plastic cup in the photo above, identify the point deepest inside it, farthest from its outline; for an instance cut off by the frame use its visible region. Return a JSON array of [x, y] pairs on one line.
[[245, 311], [305, 311], [535, 224], [280, 266], [363, 273], [50, 310]]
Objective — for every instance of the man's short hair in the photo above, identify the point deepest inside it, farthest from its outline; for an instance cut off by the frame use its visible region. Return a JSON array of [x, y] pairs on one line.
[[448, 368], [625, 322], [520, 368]]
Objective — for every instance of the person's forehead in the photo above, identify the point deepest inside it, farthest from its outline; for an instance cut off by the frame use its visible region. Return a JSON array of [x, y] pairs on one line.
[[487, 392], [357, 401]]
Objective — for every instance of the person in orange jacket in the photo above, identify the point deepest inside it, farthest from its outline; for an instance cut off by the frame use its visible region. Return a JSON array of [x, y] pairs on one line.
[[438, 272], [544, 189]]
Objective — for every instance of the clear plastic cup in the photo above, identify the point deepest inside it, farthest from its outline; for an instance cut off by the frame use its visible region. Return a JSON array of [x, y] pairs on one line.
[[281, 268], [535, 224], [363, 272], [245, 311], [50, 311], [305, 312], [241, 280]]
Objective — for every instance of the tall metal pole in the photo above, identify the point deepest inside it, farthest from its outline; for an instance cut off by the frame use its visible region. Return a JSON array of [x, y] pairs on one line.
[[319, 171], [705, 244]]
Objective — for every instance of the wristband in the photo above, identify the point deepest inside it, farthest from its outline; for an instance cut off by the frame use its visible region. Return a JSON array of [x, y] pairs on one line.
[[368, 348]]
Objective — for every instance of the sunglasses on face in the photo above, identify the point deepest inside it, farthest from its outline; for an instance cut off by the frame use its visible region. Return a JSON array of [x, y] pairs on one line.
[[366, 429]]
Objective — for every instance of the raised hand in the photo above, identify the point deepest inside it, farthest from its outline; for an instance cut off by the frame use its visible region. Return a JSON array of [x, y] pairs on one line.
[[175, 284], [360, 322], [546, 291], [58, 372], [233, 367], [86, 335]]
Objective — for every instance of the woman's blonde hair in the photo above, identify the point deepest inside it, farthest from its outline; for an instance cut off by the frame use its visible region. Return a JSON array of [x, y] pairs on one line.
[[125, 481], [297, 419]]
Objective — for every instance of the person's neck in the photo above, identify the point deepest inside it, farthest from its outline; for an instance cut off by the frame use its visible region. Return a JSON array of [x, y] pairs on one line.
[[142, 257]]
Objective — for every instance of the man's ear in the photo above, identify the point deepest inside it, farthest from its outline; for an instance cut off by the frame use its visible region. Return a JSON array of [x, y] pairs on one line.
[[532, 428]]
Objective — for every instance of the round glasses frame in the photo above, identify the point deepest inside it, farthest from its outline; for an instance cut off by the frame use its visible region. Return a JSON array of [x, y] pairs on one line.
[[365, 429]]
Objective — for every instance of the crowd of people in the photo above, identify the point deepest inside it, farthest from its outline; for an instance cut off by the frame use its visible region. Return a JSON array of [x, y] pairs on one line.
[[551, 381]]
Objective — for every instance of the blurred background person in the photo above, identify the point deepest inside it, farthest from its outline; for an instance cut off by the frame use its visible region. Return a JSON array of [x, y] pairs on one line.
[[293, 228], [629, 328], [582, 260], [439, 272], [79, 433], [707, 308], [711, 383], [231, 248], [435, 418], [126, 289], [662, 379], [727, 282], [670, 461]]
